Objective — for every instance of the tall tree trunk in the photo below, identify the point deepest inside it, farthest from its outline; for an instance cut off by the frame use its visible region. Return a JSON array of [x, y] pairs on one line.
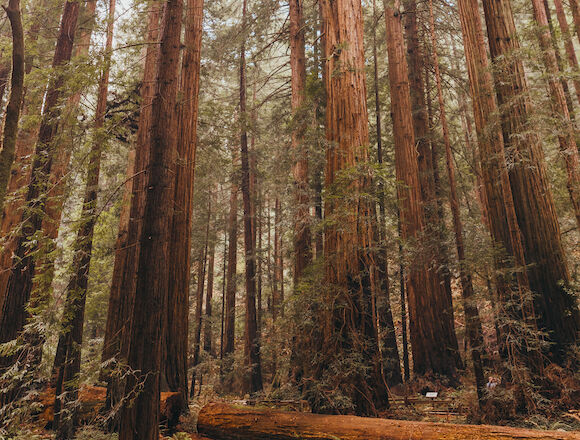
[[20, 279], [223, 312], [140, 417], [566, 135], [12, 114], [548, 274], [302, 239], [575, 7], [122, 295], [20, 174], [252, 344], [472, 321], [351, 270], [500, 204], [391, 360], [277, 281], [71, 336], [231, 276], [198, 318], [402, 284], [407, 170], [561, 65], [60, 166], [433, 339], [208, 324], [178, 307], [568, 44]]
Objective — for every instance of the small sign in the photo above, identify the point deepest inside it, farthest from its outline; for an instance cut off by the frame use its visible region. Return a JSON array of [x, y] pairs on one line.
[[431, 394]]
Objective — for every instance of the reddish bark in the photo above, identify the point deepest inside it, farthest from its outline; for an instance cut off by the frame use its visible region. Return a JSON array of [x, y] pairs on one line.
[[547, 271], [472, 321], [253, 382], [433, 339], [176, 336], [351, 268], [302, 239], [12, 113], [20, 277], [140, 416]]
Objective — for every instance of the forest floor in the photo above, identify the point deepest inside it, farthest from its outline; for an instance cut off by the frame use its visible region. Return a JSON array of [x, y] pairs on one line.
[[451, 405]]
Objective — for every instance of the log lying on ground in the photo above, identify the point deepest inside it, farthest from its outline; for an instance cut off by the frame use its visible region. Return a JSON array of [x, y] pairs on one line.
[[227, 422], [92, 401]]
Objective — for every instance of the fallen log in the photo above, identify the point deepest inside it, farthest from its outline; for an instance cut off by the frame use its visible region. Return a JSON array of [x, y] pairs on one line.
[[92, 401], [227, 422]]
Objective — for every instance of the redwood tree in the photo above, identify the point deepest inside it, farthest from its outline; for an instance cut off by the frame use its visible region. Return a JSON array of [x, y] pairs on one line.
[[555, 308], [20, 275], [178, 305], [140, 416], [302, 239], [12, 113], [433, 339], [68, 364], [251, 342], [472, 321], [350, 236]]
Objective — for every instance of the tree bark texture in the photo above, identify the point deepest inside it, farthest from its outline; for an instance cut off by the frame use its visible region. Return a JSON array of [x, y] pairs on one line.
[[302, 239], [12, 113], [122, 297], [351, 235], [566, 132], [253, 382], [176, 340], [231, 275], [20, 275], [71, 337], [472, 320], [439, 352], [140, 417], [555, 308], [390, 350]]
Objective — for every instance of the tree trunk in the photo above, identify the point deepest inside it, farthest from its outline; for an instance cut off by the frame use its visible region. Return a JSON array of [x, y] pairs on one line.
[[403, 302], [566, 133], [555, 308], [575, 7], [253, 382], [391, 360], [178, 307], [20, 175], [302, 239], [561, 65], [198, 319], [433, 339], [12, 114], [231, 276], [71, 336], [472, 321], [350, 237], [234, 423], [20, 279], [223, 311], [500, 204], [122, 296], [568, 44], [208, 324], [140, 417]]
